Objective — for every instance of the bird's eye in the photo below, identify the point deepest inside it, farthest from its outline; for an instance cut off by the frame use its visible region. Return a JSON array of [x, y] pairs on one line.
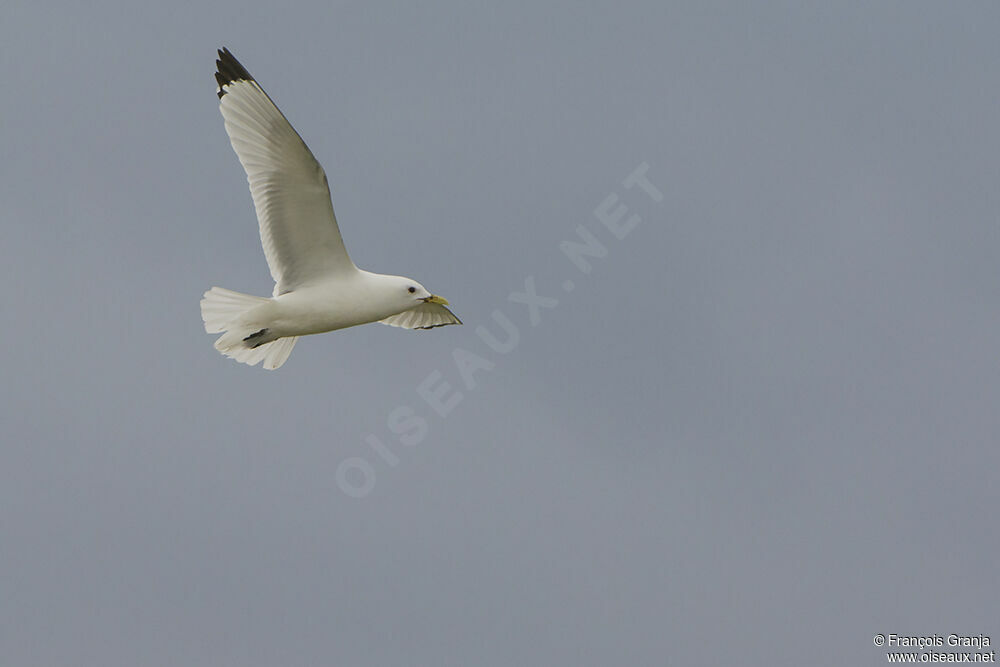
[[412, 289]]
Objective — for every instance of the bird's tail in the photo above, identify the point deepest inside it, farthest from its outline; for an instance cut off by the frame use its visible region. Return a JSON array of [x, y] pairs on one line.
[[222, 311]]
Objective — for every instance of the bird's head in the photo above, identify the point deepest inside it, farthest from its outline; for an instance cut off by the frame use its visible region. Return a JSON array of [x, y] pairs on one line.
[[410, 293]]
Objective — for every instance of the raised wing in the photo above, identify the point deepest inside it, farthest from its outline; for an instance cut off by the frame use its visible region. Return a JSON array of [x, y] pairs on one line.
[[297, 226], [424, 316]]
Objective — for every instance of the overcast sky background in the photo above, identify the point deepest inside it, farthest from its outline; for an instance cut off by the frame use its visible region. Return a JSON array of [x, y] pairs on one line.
[[761, 430]]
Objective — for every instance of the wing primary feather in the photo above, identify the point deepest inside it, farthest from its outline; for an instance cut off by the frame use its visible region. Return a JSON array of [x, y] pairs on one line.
[[424, 316], [229, 70]]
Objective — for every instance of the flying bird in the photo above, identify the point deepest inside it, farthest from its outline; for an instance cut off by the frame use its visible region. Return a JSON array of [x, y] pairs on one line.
[[317, 288]]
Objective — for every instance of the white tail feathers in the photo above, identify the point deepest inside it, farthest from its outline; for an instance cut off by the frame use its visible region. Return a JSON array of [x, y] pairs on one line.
[[222, 311], [273, 354], [221, 306]]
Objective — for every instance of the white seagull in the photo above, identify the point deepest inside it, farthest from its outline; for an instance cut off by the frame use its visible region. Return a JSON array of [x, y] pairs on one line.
[[317, 286]]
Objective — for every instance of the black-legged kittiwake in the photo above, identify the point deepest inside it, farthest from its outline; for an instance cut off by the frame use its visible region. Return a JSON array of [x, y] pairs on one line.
[[317, 286]]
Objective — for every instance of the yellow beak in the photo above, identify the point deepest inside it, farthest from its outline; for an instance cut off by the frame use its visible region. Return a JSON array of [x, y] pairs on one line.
[[434, 298]]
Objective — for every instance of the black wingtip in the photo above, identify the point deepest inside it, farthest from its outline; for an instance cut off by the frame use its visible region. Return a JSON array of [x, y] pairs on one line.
[[229, 71]]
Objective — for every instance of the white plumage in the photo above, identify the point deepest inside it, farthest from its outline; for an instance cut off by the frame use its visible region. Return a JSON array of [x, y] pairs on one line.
[[317, 286]]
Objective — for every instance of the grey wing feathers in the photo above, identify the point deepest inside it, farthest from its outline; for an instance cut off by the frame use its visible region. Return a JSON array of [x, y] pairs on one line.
[[298, 228]]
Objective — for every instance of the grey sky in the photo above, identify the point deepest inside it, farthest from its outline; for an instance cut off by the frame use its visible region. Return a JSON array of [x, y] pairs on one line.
[[761, 430]]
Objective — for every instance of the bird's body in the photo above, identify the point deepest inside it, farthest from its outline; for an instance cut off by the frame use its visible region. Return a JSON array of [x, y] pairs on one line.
[[317, 286]]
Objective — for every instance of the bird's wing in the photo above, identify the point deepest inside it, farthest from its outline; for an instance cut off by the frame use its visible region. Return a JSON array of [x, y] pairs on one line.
[[424, 316], [297, 227]]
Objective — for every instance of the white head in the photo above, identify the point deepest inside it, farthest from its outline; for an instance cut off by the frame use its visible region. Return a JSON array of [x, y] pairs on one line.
[[407, 293]]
